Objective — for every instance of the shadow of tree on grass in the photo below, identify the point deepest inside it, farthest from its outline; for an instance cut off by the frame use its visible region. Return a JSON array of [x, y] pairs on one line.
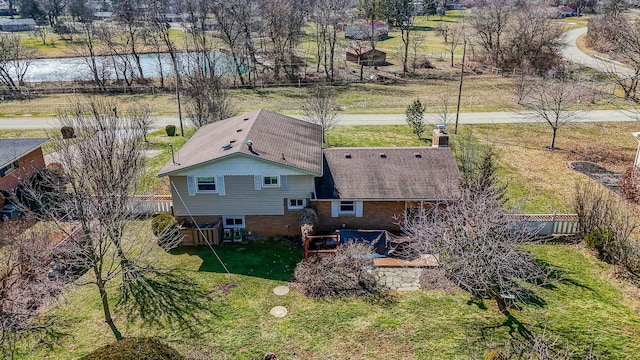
[[162, 298]]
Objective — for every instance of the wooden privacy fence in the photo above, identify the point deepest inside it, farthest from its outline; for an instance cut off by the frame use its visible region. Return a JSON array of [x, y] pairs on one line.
[[546, 224], [151, 204]]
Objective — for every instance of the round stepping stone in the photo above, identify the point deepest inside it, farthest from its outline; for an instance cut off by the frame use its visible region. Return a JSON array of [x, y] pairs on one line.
[[278, 311], [281, 290]]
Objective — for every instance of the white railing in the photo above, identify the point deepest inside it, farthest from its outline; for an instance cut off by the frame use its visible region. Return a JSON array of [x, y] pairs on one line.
[[151, 204]]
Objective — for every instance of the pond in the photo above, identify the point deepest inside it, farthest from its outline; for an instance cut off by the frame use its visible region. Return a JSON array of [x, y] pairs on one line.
[[77, 68]]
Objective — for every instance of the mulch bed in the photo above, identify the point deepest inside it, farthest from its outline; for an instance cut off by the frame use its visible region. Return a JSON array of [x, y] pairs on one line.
[[598, 173]]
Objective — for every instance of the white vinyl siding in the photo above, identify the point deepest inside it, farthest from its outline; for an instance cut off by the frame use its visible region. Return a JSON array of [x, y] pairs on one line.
[[240, 165], [240, 196]]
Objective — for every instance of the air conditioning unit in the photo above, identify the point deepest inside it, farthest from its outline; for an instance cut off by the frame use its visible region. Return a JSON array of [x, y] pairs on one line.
[[237, 235], [227, 235]]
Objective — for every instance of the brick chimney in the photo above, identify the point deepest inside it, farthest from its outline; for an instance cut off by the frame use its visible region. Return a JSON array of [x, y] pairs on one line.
[[440, 137]]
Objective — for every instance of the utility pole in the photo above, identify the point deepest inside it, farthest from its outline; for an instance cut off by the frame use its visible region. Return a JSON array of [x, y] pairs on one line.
[[464, 53], [178, 96]]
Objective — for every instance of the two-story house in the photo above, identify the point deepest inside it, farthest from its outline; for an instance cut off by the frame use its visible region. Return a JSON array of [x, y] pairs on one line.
[[258, 170], [253, 171]]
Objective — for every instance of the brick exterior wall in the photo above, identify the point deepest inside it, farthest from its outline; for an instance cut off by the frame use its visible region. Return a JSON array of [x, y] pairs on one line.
[[266, 225], [27, 165], [376, 215]]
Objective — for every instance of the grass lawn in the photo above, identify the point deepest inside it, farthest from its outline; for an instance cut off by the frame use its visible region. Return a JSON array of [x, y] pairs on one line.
[[231, 321], [538, 180]]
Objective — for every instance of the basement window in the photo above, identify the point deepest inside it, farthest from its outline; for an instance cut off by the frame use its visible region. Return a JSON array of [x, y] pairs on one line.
[[296, 204], [233, 222], [347, 207], [9, 169]]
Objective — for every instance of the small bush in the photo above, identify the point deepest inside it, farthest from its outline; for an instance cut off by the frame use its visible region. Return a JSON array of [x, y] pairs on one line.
[[135, 348], [171, 130], [630, 185], [67, 132], [165, 227], [602, 241], [435, 279], [337, 275]]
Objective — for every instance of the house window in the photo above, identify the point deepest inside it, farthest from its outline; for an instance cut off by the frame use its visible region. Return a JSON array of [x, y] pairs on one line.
[[233, 221], [347, 207], [9, 168], [297, 204], [271, 181], [207, 184]]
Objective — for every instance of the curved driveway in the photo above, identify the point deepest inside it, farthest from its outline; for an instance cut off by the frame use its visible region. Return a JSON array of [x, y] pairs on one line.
[[572, 53]]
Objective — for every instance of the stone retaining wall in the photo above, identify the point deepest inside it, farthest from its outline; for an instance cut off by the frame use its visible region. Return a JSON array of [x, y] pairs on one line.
[[398, 278]]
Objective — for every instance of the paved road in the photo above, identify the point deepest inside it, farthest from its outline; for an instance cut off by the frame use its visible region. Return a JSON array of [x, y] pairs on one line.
[[571, 52], [361, 119]]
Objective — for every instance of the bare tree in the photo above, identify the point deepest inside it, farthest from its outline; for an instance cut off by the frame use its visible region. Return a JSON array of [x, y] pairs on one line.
[[283, 25], [25, 288], [329, 15], [101, 169], [89, 49], [15, 59], [444, 110], [229, 26], [320, 109], [129, 14], [401, 13], [475, 244], [206, 100], [41, 32], [489, 23], [417, 38], [457, 34], [54, 9], [553, 100], [371, 10], [339, 275]]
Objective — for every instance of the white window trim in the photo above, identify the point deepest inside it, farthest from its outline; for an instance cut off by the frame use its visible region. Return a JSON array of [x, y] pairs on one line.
[[304, 203], [342, 212], [270, 185], [215, 182], [224, 222]]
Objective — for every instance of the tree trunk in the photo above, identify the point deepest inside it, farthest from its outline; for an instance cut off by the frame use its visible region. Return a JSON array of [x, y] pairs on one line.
[[502, 306], [553, 139], [105, 304]]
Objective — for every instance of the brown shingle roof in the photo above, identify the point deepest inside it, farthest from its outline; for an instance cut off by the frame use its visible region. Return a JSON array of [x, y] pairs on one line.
[[388, 174], [276, 138]]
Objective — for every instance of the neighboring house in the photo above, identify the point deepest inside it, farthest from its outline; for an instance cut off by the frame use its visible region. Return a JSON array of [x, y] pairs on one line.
[[372, 188], [366, 55], [19, 159], [363, 31], [257, 171], [17, 25], [566, 11]]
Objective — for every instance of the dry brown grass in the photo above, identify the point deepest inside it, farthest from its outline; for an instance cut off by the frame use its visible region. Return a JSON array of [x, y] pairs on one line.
[[542, 177]]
